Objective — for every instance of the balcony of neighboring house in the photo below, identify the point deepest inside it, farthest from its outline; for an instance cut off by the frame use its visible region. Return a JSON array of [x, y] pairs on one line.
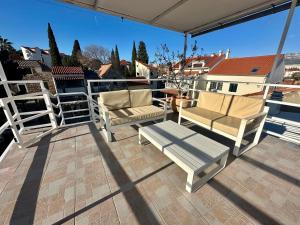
[[65, 171]]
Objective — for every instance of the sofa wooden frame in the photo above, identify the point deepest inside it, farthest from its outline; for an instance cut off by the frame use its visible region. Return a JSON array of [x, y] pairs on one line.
[[108, 128], [237, 151]]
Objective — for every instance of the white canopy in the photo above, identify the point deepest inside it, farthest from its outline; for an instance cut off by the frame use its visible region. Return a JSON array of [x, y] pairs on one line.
[[189, 16]]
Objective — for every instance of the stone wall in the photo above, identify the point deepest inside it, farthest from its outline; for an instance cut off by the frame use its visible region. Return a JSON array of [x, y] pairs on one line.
[[44, 76]]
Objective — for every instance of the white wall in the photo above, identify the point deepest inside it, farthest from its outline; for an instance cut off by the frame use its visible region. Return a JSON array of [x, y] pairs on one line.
[[242, 89], [142, 70]]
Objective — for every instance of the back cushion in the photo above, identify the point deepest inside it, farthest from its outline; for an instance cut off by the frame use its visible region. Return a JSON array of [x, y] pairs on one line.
[[140, 97], [226, 104], [210, 101], [115, 99], [242, 107]]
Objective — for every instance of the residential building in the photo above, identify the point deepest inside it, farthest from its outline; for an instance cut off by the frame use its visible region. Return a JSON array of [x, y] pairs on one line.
[[199, 65], [36, 53], [68, 79], [146, 70], [243, 75], [124, 63], [292, 64]]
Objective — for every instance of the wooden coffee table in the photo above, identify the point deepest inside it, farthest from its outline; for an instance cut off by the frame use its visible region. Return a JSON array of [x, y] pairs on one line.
[[199, 156]]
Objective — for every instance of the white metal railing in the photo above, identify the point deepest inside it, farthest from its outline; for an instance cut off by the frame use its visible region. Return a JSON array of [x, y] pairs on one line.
[[16, 120]]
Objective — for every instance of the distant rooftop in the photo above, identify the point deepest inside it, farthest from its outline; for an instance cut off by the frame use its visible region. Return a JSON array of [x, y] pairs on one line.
[[292, 59], [209, 60], [246, 66], [67, 73]]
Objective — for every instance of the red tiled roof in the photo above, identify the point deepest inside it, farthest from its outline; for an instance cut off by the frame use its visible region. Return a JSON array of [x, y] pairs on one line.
[[67, 73], [104, 69], [123, 62], [209, 60], [251, 66]]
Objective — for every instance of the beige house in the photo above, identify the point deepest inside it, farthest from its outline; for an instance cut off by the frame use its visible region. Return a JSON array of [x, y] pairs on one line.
[[242, 76]]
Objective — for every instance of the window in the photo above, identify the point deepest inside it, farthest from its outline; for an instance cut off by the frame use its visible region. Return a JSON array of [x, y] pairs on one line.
[[214, 86], [46, 84], [233, 87], [254, 70], [219, 86]]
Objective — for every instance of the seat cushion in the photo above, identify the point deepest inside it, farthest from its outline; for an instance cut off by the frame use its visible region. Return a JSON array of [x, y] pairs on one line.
[[113, 100], [128, 115], [201, 115], [242, 107], [140, 97], [230, 125], [210, 101]]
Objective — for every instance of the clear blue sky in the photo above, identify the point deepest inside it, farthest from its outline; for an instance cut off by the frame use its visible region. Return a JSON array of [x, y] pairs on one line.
[[24, 22]]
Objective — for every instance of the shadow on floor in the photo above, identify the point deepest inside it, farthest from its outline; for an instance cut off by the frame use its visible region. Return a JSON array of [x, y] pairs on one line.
[[271, 170], [135, 200], [243, 204], [24, 210]]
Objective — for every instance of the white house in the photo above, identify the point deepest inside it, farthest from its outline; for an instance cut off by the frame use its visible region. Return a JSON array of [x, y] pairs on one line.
[[243, 75], [145, 70], [199, 65], [292, 64], [37, 54]]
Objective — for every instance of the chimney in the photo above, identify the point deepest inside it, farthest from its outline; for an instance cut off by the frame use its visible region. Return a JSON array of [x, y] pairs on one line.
[[220, 52], [227, 54]]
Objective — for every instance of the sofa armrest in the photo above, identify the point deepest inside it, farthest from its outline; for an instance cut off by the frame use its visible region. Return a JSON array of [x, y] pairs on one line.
[[164, 102], [262, 114]]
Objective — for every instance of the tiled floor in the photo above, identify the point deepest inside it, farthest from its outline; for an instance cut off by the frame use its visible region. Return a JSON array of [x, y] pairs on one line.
[[75, 177]]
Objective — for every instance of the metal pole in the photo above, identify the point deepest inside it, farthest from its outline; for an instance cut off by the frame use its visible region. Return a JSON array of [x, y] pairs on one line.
[[182, 64], [283, 36]]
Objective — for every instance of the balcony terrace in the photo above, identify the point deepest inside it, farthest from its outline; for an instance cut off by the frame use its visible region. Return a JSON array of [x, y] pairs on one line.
[[73, 176]]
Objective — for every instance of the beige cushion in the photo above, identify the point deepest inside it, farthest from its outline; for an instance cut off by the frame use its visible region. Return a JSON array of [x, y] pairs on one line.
[[242, 107], [231, 125], [210, 101], [226, 104], [122, 116], [140, 97], [201, 115], [115, 99]]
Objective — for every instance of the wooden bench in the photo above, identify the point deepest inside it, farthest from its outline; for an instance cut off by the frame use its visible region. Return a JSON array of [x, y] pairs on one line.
[[191, 151]]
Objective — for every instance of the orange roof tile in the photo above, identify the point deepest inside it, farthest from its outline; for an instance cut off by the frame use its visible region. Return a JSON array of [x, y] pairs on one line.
[[251, 66]]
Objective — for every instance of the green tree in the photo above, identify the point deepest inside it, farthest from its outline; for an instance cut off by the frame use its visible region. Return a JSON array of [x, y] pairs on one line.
[[76, 54], [55, 56], [117, 59], [142, 53], [113, 59], [5, 44], [133, 58]]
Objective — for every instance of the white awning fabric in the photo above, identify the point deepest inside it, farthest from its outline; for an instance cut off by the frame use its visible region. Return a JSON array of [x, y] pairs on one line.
[[188, 16]]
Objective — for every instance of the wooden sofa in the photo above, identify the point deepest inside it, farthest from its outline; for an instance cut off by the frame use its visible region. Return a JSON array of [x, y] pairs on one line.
[[127, 107], [233, 117]]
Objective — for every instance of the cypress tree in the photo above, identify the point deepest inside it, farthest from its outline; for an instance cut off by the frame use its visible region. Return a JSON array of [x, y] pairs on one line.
[[76, 53], [142, 53], [113, 59], [133, 58], [55, 56], [117, 59]]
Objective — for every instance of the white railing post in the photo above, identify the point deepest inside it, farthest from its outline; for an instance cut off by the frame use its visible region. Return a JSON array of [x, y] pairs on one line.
[[194, 92], [266, 92], [8, 93], [49, 105], [12, 124], [63, 122], [90, 102]]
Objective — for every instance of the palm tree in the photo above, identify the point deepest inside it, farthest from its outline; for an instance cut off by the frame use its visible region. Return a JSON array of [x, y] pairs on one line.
[[5, 44]]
